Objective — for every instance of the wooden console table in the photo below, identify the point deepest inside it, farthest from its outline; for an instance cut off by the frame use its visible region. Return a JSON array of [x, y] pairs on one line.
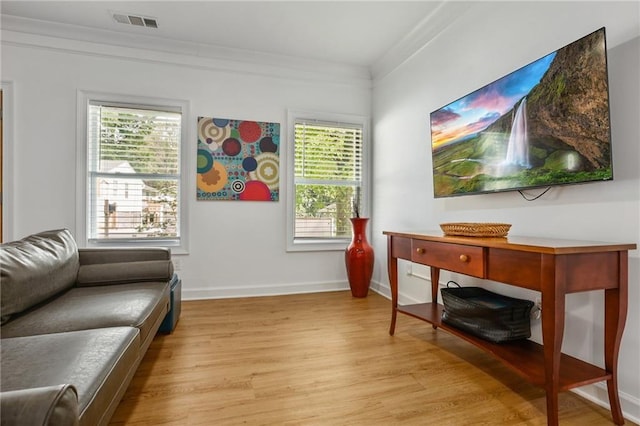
[[552, 267]]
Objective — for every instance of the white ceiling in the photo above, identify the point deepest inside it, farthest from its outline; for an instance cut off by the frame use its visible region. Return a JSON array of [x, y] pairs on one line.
[[357, 33]]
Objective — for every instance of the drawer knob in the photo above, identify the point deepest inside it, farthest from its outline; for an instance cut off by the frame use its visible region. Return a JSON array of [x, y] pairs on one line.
[[464, 258], [420, 250]]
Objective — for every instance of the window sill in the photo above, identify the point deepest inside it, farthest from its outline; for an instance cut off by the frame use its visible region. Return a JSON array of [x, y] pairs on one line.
[[318, 245]]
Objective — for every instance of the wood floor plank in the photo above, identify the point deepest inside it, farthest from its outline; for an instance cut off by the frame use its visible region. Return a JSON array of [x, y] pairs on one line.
[[327, 359]]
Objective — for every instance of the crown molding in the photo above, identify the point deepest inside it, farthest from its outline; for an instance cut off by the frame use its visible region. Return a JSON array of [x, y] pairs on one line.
[[24, 32], [419, 37]]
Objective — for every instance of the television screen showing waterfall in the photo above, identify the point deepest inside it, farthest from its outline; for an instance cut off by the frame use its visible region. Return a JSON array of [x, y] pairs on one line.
[[544, 124]]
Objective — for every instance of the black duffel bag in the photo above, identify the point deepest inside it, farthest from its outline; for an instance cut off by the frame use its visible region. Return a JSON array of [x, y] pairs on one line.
[[485, 314]]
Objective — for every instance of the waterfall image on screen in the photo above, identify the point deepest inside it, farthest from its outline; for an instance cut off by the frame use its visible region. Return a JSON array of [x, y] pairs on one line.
[[518, 146], [544, 124]]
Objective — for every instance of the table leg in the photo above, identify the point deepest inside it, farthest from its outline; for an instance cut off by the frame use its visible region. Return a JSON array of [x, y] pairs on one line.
[[553, 315], [435, 282], [615, 316], [392, 267]]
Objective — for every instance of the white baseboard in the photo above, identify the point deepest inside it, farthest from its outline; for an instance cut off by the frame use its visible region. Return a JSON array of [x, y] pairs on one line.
[[381, 289], [596, 393], [385, 290], [266, 290]]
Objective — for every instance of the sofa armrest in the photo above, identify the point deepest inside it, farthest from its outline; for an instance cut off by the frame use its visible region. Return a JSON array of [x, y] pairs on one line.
[[90, 256], [50, 405]]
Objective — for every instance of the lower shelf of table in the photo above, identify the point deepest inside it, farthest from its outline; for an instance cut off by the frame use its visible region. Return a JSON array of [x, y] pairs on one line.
[[525, 356]]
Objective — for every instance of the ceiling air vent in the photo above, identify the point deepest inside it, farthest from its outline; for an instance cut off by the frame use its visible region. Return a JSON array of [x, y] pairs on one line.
[[138, 21]]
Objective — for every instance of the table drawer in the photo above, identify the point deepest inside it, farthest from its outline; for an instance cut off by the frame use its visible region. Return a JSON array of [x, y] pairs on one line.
[[460, 258]]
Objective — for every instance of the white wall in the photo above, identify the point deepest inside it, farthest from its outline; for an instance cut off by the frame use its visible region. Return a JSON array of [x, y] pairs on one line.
[[487, 42], [236, 248]]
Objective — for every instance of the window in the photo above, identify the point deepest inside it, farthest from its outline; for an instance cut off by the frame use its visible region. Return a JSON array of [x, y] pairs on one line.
[[133, 154], [329, 169]]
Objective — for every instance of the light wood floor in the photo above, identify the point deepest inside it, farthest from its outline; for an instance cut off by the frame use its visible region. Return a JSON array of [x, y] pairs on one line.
[[327, 359]]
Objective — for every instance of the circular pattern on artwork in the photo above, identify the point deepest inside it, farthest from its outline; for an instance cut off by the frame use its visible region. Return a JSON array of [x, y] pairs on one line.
[[267, 144], [255, 191], [249, 164], [205, 161], [268, 170], [210, 134], [250, 131], [238, 186], [231, 147], [213, 180]]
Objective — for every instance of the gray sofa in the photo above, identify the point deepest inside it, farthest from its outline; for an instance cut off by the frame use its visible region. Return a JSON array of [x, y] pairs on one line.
[[75, 324]]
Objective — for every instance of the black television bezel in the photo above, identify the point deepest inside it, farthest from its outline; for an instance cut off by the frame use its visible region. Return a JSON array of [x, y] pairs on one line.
[[525, 188]]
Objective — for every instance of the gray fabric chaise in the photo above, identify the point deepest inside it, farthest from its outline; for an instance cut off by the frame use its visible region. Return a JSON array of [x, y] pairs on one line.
[[75, 326]]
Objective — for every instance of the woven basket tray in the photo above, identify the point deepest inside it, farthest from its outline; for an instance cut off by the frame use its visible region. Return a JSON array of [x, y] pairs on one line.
[[469, 229]]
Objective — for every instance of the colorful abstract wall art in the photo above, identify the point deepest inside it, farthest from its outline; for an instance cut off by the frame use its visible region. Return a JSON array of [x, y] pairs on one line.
[[238, 160]]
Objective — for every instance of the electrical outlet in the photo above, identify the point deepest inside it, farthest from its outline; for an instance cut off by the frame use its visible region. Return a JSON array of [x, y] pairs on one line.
[[177, 264]]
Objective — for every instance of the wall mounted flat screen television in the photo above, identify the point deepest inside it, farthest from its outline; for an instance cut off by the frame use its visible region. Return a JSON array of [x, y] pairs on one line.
[[544, 124]]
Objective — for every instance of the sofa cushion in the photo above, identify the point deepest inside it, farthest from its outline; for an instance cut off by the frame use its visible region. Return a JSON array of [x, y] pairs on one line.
[[124, 272], [140, 305], [36, 268], [98, 363]]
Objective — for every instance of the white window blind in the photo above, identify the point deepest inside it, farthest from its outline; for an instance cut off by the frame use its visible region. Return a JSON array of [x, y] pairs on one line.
[[133, 166], [328, 177]]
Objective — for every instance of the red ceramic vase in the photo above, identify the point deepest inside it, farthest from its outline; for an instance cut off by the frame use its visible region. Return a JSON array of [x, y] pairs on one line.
[[358, 258]]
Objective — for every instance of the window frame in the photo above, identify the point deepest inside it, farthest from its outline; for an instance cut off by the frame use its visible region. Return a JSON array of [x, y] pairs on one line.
[[8, 179], [84, 99], [351, 120]]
